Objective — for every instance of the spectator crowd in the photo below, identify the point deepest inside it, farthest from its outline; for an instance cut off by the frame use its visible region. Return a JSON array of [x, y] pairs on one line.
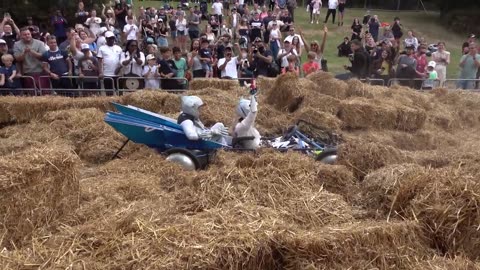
[[137, 47]]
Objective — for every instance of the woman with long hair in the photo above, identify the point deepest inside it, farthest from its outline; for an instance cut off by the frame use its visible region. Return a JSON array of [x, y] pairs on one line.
[[296, 44], [181, 25], [243, 33], [381, 68], [210, 34], [356, 30], [161, 32], [275, 37], [442, 60], [193, 60], [316, 47]]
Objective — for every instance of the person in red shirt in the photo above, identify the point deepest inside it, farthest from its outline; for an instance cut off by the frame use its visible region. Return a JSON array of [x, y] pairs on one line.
[[312, 65]]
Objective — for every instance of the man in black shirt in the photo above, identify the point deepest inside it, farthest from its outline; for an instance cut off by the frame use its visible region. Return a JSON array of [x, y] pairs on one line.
[[255, 27], [260, 58], [266, 20], [359, 60], [287, 21], [167, 70]]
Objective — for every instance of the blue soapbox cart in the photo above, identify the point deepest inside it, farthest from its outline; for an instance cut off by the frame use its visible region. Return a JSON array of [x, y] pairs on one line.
[[167, 137]]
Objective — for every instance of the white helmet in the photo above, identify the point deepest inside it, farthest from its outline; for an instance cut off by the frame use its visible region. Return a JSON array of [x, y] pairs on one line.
[[243, 108], [190, 105]]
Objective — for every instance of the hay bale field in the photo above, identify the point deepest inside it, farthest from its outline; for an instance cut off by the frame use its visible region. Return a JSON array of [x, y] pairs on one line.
[[37, 186], [404, 193]]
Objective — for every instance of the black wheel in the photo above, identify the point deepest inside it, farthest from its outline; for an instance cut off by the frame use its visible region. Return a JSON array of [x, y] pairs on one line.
[[328, 156], [184, 157]]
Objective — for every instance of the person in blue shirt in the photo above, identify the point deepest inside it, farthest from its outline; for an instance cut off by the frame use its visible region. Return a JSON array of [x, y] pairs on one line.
[[57, 64], [59, 24], [8, 73]]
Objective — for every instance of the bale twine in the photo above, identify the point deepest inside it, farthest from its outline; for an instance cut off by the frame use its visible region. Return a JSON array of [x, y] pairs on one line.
[[361, 113], [38, 185], [222, 84]]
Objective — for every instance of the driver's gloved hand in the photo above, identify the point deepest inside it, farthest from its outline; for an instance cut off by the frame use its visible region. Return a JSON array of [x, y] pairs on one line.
[[205, 134], [220, 131]]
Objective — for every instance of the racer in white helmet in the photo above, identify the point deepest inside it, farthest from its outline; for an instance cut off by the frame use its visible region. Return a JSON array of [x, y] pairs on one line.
[[194, 129], [245, 127]]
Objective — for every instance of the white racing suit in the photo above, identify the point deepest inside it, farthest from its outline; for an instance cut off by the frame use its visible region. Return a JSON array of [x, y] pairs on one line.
[[247, 111], [195, 130]]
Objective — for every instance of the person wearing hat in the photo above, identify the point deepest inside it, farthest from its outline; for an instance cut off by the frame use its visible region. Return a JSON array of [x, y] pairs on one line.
[[407, 66], [88, 66], [109, 60], [228, 64], [57, 64], [431, 76], [261, 59], [151, 73], [161, 32]]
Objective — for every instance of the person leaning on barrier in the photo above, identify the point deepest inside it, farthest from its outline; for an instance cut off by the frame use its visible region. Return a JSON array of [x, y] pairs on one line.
[[151, 73], [469, 65], [406, 66], [88, 66], [109, 60], [57, 64]]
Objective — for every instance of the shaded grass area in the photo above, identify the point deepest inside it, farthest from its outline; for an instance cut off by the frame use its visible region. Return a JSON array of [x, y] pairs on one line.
[[427, 25]]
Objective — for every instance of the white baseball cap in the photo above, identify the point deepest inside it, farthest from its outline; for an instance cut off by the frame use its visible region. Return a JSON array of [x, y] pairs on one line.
[[2, 41], [103, 29], [150, 57], [84, 46], [432, 64], [109, 34]]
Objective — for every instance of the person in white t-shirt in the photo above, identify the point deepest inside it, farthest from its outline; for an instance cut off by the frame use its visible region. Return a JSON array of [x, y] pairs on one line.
[[109, 60], [130, 29], [332, 9], [228, 65], [150, 73], [291, 35], [218, 10], [93, 22], [284, 53], [181, 25]]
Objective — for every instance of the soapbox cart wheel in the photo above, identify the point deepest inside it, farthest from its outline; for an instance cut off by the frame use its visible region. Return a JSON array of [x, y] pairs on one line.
[[328, 156], [190, 160]]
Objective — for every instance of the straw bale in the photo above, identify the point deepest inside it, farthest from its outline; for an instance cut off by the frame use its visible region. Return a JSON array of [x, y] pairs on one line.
[[265, 84], [448, 211], [444, 118], [443, 263], [282, 181], [439, 92], [333, 87], [338, 179], [287, 94], [360, 113], [222, 84], [364, 157], [219, 106], [38, 185], [390, 190], [358, 89], [155, 101], [272, 123], [320, 102], [359, 245], [319, 118], [92, 138], [24, 109], [409, 119], [418, 141], [432, 159], [408, 97]]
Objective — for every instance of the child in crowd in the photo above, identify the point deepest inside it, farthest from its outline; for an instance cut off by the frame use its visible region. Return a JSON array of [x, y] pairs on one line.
[[88, 66], [150, 72], [312, 65], [8, 73], [130, 29], [206, 58], [432, 76], [292, 65]]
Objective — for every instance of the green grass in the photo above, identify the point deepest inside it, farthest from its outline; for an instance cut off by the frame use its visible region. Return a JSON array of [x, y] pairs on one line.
[[427, 25]]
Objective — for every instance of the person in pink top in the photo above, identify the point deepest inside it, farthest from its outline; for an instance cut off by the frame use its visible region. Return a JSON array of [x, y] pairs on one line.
[[422, 62]]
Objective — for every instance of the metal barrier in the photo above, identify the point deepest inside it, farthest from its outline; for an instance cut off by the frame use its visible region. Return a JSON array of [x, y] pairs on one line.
[[20, 89], [132, 84], [75, 86], [417, 84], [465, 84], [372, 81]]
